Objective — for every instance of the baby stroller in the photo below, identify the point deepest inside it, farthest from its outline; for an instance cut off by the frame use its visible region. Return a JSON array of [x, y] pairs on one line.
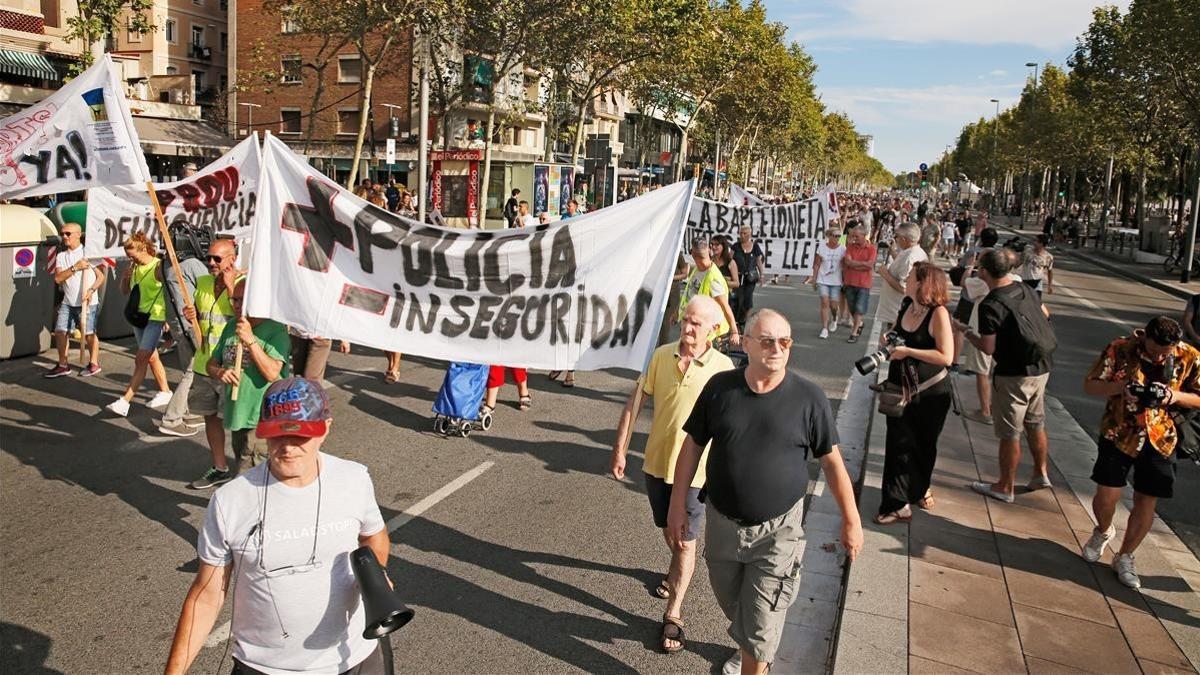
[[457, 406]]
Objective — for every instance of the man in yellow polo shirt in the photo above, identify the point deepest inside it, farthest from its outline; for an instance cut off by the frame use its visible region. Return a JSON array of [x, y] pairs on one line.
[[676, 375]]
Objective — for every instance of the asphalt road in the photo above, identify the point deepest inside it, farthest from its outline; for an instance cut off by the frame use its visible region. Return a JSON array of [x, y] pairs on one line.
[[536, 562], [514, 548]]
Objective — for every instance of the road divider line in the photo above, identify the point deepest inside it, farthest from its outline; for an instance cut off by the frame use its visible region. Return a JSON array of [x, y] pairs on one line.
[[1108, 316], [401, 519]]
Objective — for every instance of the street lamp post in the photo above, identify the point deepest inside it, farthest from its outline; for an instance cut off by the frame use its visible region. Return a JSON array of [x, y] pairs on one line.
[[250, 116], [995, 133], [1032, 107]]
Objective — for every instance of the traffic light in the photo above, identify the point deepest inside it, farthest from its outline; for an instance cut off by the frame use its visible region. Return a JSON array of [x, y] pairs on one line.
[[394, 127], [1062, 193], [924, 176]]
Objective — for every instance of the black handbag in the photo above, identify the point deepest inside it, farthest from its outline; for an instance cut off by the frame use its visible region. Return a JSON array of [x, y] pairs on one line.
[[133, 314], [894, 398]]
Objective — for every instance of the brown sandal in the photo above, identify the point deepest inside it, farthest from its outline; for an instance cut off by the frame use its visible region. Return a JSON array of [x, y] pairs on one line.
[[927, 502], [890, 518], [664, 590], [672, 629]]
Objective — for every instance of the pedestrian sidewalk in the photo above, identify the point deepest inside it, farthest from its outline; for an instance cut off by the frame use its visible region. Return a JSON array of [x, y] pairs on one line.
[[1151, 274], [975, 585]]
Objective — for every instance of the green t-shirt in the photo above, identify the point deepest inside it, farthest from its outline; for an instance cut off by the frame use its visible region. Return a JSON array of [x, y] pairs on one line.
[[273, 338]]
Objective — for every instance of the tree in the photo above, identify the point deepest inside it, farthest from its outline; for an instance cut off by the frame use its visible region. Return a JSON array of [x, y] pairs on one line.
[[99, 19]]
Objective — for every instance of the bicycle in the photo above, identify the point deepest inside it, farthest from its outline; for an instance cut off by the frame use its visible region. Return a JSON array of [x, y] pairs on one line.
[[1174, 260]]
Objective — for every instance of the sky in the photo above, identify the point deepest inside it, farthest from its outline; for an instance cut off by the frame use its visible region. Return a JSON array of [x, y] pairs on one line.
[[913, 72]]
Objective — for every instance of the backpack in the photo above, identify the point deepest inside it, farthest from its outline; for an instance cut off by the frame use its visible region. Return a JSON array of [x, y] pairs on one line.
[[1037, 336]]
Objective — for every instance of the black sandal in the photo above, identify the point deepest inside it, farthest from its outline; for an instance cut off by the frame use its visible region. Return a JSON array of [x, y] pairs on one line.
[[569, 380], [525, 402], [553, 375], [672, 629]]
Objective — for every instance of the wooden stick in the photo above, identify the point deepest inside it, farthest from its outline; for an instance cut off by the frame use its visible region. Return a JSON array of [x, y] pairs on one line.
[[165, 235], [237, 366], [83, 312]]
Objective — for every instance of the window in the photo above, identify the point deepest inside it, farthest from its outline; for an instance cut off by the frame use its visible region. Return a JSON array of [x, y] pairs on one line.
[[197, 36], [291, 70], [172, 70], [348, 120], [224, 41], [172, 31], [133, 35], [479, 78], [224, 5], [287, 25], [349, 69], [289, 120]]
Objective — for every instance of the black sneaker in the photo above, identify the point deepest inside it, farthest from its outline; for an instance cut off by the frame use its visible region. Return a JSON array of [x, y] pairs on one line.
[[211, 478], [57, 371]]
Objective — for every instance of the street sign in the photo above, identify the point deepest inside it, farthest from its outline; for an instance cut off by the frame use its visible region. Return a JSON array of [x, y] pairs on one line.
[[23, 259], [391, 151], [924, 166]]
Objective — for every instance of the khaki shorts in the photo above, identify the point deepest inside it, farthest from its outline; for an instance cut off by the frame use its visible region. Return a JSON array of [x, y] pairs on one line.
[[975, 360], [755, 576], [204, 397], [1018, 402]]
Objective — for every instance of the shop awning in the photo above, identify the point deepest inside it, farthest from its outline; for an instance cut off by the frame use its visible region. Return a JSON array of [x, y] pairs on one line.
[[27, 64], [180, 137]]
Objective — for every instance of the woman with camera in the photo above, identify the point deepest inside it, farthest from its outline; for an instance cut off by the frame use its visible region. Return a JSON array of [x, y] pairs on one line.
[[918, 369], [146, 312]]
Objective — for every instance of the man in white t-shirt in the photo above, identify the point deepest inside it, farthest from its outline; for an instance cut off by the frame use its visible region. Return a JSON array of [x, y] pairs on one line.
[[80, 282], [282, 534], [827, 278], [524, 217], [949, 238], [895, 274]]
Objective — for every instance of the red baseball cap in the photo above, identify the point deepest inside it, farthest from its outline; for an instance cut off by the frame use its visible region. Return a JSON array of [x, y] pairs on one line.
[[294, 406]]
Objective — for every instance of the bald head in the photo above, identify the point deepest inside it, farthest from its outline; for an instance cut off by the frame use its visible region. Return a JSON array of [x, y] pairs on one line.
[[768, 322], [222, 256], [71, 235]]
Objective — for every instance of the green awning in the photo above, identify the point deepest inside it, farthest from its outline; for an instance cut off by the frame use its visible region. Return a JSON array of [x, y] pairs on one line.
[[27, 64]]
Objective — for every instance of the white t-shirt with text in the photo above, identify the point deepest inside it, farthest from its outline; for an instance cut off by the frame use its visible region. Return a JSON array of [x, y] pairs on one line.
[[830, 273], [262, 525]]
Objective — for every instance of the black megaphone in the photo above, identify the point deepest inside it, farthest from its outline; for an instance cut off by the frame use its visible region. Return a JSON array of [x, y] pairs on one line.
[[385, 612]]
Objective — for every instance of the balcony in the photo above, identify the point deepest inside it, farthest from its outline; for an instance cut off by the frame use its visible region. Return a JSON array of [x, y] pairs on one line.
[[198, 51]]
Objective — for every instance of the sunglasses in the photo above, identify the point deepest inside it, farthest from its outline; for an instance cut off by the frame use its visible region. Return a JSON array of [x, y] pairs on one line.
[[766, 341], [214, 259], [69, 233]]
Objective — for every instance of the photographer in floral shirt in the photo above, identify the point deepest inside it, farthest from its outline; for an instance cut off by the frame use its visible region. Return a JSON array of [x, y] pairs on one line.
[[1146, 377]]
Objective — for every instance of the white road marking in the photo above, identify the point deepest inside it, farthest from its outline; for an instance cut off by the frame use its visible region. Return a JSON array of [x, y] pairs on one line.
[[221, 633], [1097, 308], [429, 502]]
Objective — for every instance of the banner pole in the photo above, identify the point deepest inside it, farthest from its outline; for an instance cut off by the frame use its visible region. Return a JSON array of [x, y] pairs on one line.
[[83, 352], [170, 246]]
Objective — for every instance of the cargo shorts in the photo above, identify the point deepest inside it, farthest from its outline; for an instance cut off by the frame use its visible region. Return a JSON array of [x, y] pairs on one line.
[[755, 575]]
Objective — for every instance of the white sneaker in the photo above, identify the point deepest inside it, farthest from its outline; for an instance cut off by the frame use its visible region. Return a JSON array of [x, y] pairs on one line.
[[1123, 565], [733, 666], [119, 406], [824, 334], [833, 326], [1094, 548], [160, 400]]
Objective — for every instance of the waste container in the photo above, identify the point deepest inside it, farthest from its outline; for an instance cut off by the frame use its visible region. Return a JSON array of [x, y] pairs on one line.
[[110, 320], [26, 289]]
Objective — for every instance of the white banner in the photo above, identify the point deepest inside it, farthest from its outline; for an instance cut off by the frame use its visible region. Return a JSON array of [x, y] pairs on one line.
[[223, 197], [739, 196], [79, 137], [586, 293], [787, 233]]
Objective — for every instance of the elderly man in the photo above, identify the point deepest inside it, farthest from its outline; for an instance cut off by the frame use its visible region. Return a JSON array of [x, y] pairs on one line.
[[282, 533], [895, 273], [80, 283], [763, 422], [706, 279], [674, 378]]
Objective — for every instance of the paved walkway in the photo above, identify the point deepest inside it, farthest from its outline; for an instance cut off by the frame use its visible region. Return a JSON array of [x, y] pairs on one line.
[[979, 586]]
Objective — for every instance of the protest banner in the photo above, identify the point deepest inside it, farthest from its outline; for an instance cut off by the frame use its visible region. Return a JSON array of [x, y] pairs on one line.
[[787, 233], [79, 137], [738, 196], [582, 294], [222, 197]]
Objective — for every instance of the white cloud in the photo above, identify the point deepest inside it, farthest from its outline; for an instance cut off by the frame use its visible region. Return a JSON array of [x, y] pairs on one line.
[[1047, 25], [911, 125], [998, 73]]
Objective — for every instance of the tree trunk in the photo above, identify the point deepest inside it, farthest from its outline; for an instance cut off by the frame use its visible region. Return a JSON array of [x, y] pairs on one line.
[[312, 108], [750, 156], [682, 158], [363, 117], [487, 167], [580, 117], [1139, 217]]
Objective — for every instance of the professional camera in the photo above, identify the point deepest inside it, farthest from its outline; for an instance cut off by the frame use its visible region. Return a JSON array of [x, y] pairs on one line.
[[1150, 395], [190, 242], [868, 363]]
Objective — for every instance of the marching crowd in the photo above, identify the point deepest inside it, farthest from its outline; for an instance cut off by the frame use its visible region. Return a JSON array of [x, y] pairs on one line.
[[731, 432]]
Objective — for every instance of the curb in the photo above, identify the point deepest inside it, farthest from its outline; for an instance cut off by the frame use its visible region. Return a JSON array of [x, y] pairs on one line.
[[1164, 286]]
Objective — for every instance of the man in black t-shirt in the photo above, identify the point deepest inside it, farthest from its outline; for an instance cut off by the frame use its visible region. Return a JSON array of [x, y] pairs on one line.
[[510, 208], [763, 423], [1018, 380]]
